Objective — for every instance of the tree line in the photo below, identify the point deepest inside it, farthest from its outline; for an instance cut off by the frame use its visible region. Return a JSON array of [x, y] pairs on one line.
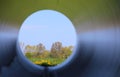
[[56, 51]]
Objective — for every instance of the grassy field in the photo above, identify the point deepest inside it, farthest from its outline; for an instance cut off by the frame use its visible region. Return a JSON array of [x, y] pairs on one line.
[[46, 61], [50, 57]]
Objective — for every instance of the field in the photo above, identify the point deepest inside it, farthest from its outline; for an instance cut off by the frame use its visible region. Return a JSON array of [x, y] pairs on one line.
[[39, 55], [46, 61]]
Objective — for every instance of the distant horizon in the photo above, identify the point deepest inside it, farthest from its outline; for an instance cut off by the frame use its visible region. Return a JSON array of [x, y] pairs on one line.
[[44, 45]]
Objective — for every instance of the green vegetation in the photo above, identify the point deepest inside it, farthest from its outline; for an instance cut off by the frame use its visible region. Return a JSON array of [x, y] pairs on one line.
[[46, 61], [40, 56]]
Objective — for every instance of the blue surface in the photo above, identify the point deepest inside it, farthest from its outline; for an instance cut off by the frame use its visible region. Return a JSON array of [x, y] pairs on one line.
[[98, 56]]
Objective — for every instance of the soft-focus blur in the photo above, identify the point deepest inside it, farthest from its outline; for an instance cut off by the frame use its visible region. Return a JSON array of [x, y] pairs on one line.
[[97, 23]]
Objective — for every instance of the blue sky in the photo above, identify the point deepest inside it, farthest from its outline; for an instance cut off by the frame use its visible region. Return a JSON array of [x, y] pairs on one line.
[[47, 27]]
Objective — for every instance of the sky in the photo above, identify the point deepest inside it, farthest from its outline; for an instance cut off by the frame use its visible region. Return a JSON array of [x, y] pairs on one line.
[[47, 27]]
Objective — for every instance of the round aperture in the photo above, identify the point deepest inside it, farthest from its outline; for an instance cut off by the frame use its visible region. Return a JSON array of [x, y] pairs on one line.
[[47, 38]]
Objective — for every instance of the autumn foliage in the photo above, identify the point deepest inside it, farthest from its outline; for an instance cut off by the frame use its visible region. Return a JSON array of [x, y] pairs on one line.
[[56, 55]]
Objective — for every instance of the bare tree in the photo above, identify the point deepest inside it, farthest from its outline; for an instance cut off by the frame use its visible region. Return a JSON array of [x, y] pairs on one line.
[[55, 49], [41, 48]]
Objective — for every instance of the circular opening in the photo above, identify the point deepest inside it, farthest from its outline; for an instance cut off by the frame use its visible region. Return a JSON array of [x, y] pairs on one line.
[[47, 38]]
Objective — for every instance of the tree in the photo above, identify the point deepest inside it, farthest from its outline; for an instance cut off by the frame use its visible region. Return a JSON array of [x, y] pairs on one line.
[[27, 49], [55, 49], [45, 54], [66, 52], [41, 47], [22, 46], [28, 54], [56, 46]]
